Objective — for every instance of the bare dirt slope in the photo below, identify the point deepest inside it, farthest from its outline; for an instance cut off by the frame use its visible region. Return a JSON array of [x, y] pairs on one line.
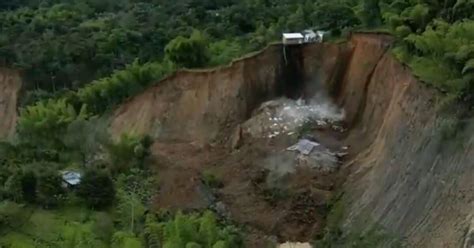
[[405, 175], [204, 105], [10, 84], [194, 114], [199, 105]]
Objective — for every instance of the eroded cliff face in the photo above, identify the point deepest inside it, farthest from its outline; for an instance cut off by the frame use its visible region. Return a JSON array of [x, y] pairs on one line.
[[10, 84], [205, 105], [407, 176]]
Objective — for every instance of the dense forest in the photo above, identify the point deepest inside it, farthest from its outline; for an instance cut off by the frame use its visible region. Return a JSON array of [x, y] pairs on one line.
[[80, 58]]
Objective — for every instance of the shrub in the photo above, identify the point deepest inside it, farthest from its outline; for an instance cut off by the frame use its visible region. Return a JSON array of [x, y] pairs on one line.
[[223, 52], [138, 182], [107, 92], [96, 189], [28, 186], [189, 52], [442, 55], [402, 31], [103, 226], [13, 187], [50, 190], [11, 215], [44, 123], [85, 140], [193, 245], [78, 235], [194, 230], [125, 240], [130, 210], [211, 180], [151, 232], [130, 151]]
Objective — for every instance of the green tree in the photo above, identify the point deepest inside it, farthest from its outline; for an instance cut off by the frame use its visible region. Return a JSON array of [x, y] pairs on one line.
[[189, 52], [28, 186], [369, 13], [96, 189], [44, 123], [125, 240], [13, 187], [50, 191], [130, 210], [130, 151], [296, 21], [86, 139], [334, 15], [184, 231], [12, 215]]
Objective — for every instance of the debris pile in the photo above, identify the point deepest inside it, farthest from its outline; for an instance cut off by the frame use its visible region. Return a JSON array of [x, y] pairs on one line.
[[286, 117]]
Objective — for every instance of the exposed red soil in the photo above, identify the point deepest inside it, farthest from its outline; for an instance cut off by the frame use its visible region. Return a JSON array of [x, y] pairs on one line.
[[298, 216]]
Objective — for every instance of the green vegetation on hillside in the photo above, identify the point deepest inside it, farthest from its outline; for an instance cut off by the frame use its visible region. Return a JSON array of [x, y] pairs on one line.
[[66, 44], [436, 39]]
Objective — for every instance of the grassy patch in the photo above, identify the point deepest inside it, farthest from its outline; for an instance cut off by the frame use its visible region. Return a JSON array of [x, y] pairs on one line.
[[17, 240]]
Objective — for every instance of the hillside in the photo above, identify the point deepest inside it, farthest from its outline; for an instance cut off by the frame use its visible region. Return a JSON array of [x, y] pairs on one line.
[[394, 128], [186, 124]]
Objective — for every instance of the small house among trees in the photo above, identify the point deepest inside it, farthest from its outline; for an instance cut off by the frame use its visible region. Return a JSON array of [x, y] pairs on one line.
[[71, 179], [306, 36]]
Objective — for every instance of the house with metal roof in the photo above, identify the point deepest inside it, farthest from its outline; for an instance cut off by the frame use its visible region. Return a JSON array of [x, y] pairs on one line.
[[292, 38], [71, 178]]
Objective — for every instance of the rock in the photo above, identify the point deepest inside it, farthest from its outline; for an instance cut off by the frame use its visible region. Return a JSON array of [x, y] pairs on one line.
[[221, 209]]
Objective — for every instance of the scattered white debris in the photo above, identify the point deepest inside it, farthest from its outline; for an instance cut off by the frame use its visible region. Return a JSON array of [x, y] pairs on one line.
[[295, 245], [284, 116], [300, 102]]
